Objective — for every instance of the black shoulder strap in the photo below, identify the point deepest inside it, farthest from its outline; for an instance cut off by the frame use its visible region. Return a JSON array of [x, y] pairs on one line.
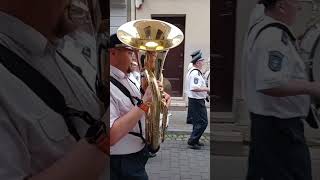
[[126, 92], [275, 25], [122, 88], [37, 83], [312, 54], [195, 70], [315, 45], [254, 25]]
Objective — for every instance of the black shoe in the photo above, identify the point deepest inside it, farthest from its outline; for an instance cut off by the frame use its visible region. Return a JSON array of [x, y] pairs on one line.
[[195, 146], [200, 144]]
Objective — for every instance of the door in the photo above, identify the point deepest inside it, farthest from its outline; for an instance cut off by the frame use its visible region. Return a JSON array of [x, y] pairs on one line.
[[173, 68], [223, 26]]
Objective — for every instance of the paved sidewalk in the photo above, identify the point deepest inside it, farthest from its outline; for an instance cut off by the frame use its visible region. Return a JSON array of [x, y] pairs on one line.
[[175, 161], [177, 122]]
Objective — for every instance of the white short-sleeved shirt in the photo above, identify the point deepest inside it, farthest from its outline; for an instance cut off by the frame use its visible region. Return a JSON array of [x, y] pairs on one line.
[[120, 105], [272, 61], [33, 137], [135, 77], [81, 53], [194, 80]]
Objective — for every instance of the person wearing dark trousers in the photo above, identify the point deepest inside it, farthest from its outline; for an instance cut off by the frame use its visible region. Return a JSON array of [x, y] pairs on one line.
[[197, 92], [278, 94], [129, 153]]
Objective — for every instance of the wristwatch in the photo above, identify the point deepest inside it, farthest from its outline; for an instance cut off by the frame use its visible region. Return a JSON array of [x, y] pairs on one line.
[[97, 135], [143, 106]]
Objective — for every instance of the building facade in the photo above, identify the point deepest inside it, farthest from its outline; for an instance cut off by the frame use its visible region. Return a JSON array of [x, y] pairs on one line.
[[192, 17]]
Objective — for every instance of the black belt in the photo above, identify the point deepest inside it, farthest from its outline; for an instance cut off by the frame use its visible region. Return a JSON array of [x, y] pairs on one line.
[[196, 99], [259, 115], [141, 152]]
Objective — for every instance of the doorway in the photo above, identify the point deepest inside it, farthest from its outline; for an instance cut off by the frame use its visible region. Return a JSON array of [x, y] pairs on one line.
[[222, 52], [174, 64]]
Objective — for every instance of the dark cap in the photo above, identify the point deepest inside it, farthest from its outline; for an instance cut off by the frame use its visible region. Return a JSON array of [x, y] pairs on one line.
[[195, 53], [197, 57], [268, 3], [116, 43]]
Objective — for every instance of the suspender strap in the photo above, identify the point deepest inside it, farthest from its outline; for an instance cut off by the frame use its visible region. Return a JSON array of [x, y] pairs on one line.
[[139, 134], [254, 25], [126, 92], [122, 88]]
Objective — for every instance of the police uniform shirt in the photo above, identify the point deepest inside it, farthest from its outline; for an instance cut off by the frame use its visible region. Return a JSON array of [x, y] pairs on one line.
[[33, 136], [119, 106], [80, 55], [272, 61], [195, 80], [88, 45]]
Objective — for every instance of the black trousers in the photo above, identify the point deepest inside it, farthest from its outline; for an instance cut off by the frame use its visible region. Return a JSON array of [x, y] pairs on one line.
[[129, 166], [197, 112], [278, 149]]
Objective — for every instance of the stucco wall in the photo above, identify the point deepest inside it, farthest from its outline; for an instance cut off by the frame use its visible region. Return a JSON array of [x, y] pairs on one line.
[[118, 14]]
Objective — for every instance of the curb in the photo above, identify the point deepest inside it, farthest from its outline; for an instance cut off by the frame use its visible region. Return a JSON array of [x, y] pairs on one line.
[[184, 132]]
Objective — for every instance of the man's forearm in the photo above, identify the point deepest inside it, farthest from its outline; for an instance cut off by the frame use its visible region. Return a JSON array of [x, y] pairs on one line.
[[124, 124], [201, 89], [314, 89], [294, 88], [84, 162]]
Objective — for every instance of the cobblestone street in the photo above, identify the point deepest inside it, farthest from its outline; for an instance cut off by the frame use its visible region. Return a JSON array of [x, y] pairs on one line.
[[175, 161]]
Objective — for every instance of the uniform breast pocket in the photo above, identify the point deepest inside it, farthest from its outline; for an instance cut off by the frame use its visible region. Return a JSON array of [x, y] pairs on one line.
[[54, 127]]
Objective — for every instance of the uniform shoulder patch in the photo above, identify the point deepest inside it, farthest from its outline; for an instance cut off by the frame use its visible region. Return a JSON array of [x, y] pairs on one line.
[[285, 38], [275, 61], [196, 80]]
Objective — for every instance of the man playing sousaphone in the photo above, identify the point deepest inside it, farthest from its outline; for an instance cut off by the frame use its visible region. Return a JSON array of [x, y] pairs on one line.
[[127, 114]]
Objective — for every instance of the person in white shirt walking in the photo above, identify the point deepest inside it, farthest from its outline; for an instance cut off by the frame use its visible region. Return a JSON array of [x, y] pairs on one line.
[[197, 91], [278, 93]]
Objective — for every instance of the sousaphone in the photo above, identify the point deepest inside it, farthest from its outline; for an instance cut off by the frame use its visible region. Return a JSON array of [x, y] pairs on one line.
[[153, 38]]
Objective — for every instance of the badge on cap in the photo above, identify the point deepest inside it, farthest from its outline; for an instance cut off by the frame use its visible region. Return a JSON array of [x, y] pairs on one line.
[[275, 61]]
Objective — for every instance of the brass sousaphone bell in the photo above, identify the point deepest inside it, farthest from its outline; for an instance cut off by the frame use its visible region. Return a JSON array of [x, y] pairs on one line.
[[154, 38]]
